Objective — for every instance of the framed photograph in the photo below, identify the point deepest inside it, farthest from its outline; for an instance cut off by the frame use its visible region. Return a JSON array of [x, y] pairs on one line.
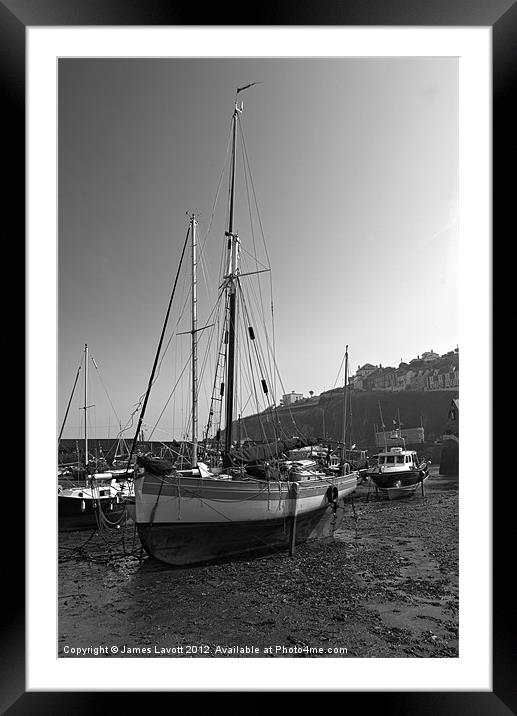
[[378, 135]]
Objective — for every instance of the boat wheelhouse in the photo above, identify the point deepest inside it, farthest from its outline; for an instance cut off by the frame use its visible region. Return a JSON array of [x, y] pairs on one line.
[[398, 459], [398, 472]]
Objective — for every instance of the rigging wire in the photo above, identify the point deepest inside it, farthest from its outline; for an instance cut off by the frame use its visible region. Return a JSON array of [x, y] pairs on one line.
[[265, 247], [151, 378], [247, 173], [201, 261], [339, 371], [105, 389], [68, 406], [169, 398]]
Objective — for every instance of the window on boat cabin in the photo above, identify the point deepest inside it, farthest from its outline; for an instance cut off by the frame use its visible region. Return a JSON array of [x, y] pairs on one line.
[[394, 459]]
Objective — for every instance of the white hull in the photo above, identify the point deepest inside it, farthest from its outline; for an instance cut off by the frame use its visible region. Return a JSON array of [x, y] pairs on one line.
[[187, 520], [172, 499]]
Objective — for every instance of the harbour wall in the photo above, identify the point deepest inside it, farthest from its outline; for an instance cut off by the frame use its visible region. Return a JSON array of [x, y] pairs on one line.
[[320, 417]]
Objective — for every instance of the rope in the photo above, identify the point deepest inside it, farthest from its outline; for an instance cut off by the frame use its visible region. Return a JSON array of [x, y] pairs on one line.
[[158, 349], [81, 546]]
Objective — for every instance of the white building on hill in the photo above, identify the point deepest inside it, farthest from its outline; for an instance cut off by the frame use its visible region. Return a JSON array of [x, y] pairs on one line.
[[291, 398]]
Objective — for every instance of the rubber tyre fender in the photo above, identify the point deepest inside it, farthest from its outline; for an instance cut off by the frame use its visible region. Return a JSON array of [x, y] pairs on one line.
[[332, 494]]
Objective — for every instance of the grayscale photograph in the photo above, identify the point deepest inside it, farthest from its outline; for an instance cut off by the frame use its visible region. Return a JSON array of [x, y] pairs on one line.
[[258, 357]]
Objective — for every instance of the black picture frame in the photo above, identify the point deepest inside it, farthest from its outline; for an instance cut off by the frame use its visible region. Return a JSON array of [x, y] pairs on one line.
[[501, 15]]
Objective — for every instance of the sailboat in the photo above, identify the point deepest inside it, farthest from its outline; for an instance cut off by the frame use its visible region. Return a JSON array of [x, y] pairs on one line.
[[119, 463], [96, 499], [251, 498]]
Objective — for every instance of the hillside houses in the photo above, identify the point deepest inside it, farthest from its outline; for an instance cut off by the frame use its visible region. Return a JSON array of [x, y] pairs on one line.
[[359, 381], [427, 372]]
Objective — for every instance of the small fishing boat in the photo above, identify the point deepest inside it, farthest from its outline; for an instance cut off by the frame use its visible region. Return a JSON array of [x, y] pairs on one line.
[[398, 473], [252, 499]]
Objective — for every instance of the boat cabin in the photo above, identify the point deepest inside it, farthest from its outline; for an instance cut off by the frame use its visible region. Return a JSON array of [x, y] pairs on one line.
[[398, 459]]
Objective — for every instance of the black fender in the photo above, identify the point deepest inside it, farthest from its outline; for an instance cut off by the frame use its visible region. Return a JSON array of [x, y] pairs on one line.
[[332, 494]]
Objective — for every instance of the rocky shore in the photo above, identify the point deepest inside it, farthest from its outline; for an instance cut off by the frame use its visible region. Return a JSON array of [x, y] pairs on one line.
[[385, 585]]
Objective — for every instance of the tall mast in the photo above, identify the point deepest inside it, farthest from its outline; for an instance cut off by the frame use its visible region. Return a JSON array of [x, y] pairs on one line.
[[193, 224], [383, 428], [85, 405], [233, 244], [343, 454]]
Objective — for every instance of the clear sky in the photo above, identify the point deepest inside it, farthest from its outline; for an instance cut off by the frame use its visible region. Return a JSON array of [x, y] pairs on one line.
[[355, 168]]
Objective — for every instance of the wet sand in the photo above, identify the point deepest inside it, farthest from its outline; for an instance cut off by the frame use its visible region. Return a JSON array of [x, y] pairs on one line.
[[385, 585]]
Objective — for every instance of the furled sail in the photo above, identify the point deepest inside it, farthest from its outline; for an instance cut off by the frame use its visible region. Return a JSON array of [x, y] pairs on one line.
[[155, 465], [265, 451]]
